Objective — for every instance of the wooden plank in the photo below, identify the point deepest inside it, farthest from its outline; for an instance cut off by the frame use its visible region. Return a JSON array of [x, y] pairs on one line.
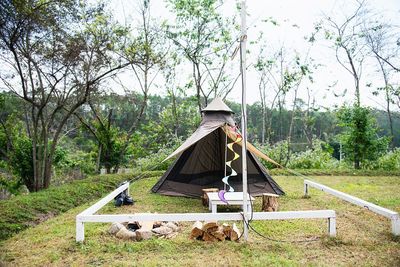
[[226, 216], [229, 216], [102, 202], [229, 196], [392, 215], [354, 200]]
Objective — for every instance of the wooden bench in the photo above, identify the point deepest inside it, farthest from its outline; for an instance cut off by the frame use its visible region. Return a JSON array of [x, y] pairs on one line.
[[233, 198]]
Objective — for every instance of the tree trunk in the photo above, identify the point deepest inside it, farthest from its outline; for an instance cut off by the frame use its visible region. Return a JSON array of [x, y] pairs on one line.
[[263, 126], [289, 138], [47, 172], [98, 161], [388, 99]]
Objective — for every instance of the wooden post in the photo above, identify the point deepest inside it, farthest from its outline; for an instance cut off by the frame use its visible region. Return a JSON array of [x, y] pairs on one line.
[[396, 225], [204, 198], [80, 231], [305, 190], [243, 39], [270, 202], [332, 226]]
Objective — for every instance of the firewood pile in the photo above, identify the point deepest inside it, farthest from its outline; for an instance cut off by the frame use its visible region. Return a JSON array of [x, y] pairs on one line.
[[138, 231], [211, 231]]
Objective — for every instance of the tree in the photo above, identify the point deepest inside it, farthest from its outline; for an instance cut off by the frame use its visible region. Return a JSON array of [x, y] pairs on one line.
[[107, 136], [147, 51], [379, 37], [360, 135], [55, 54], [205, 39], [348, 43]]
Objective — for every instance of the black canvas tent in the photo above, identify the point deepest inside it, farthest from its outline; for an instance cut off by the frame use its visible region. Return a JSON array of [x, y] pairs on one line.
[[201, 159]]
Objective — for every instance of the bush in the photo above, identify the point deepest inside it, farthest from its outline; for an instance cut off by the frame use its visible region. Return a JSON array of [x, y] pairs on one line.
[[361, 143], [277, 152], [23, 211], [84, 161], [319, 157], [388, 162], [155, 161]]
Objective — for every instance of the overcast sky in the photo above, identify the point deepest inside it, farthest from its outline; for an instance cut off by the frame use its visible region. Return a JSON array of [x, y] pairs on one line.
[[296, 20]]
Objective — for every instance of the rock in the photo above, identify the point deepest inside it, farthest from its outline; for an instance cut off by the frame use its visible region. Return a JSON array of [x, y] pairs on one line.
[[125, 234], [24, 190], [143, 234], [172, 235], [173, 226], [115, 227], [162, 230]]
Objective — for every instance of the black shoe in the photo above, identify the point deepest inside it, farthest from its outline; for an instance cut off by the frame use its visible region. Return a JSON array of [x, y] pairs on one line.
[[128, 200]]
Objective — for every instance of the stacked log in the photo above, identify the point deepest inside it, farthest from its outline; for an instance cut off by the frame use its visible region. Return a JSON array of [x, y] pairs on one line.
[[138, 231], [211, 231], [270, 202]]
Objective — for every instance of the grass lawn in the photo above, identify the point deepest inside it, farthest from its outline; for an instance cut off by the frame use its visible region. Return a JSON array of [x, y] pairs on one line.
[[364, 238]]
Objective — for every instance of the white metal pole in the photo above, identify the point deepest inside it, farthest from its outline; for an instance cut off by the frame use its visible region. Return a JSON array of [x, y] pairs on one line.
[[244, 119]]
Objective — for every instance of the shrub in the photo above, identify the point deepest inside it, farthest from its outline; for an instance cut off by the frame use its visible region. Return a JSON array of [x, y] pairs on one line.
[[388, 162], [360, 139], [155, 161], [277, 152], [319, 157]]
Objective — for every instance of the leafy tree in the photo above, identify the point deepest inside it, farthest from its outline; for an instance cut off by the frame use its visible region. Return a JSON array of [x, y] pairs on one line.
[[55, 54], [204, 37], [147, 51], [348, 42], [379, 37], [360, 135]]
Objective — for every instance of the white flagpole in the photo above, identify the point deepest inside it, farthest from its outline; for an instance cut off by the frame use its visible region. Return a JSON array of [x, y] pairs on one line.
[[243, 39]]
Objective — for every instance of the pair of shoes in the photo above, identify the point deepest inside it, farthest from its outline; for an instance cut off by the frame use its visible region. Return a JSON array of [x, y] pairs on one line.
[[128, 200], [123, 199]]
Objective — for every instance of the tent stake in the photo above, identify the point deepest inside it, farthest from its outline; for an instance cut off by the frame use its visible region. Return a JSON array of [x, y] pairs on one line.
[[244, 119]]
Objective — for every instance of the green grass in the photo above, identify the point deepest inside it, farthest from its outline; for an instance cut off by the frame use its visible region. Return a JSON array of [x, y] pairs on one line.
[[364, 238], [336, 172], [23, 211]]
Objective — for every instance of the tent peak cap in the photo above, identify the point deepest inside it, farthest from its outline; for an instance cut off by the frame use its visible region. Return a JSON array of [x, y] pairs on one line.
[[217, 105]]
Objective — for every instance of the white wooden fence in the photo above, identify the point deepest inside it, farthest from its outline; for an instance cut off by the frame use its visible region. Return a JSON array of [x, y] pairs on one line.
[[89, 215], [392, 215]]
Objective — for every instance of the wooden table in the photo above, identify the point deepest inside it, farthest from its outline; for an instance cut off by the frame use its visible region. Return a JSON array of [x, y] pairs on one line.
[[233, 198]]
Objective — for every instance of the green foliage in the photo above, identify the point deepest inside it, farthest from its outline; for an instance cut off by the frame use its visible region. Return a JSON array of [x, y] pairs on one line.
[[388, 162], [72, 160], [277, 152], [11, 184], [318, 157], [23, 211], [155, 160], [21, 160], [360, 135], [111, 140], [335, 172]]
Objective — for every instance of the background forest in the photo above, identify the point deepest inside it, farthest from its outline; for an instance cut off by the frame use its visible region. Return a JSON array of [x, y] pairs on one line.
[[81, 91]]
